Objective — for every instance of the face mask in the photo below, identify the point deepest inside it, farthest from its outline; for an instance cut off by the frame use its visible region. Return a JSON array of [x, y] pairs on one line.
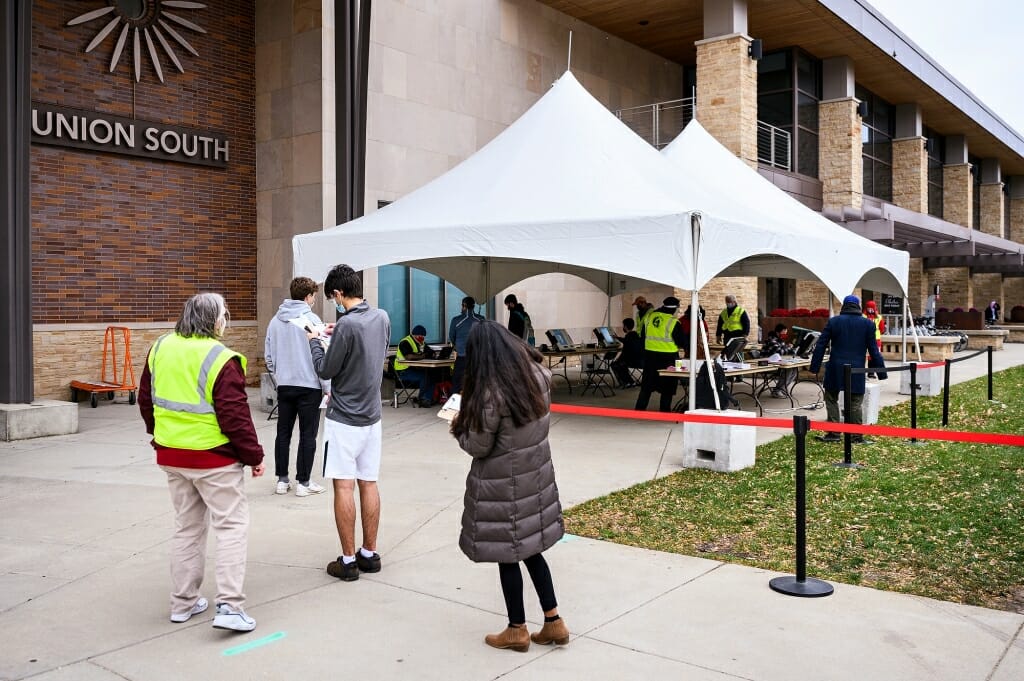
[[340, 308]]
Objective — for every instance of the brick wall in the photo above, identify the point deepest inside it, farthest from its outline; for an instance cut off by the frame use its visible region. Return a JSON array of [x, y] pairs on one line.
[[910, 174], [1013, 293], [917, 296], [956, 288], [727, 95], [957, 194], [840, 163], [66, 352], [1015, 230], [119, 239], [987, 287], [712, 299], [810, 294], [992, 209]]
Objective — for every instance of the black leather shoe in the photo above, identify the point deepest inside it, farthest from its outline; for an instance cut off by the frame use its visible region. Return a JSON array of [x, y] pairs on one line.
[[371, 564], [346, 572], [829, 437]]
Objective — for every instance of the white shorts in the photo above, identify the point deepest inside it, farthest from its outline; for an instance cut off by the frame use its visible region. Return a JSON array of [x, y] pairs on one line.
[[353, 452]]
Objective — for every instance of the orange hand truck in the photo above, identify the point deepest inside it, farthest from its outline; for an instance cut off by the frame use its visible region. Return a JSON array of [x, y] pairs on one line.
[[110, 385]]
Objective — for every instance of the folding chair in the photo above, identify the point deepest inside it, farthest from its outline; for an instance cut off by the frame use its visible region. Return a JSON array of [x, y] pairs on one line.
[[599, 375], [403, 392], [273, 386]]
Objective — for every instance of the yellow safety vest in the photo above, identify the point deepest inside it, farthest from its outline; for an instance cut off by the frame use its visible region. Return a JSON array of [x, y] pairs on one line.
[[182, 374], [658, 328], [877, 321], [399, 357], [731, 322]]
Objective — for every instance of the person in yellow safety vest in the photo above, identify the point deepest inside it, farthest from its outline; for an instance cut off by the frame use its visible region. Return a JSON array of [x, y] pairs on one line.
[[733, 322], [642, 308], [411, 347], [871, 312], [192, 399], [663, 339]]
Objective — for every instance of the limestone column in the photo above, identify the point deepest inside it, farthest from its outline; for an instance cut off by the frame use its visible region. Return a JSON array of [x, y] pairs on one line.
[[909, 160], [840, 161], [957, 190], [917, 285], [992, 209], [1015, 230], [727, 79]]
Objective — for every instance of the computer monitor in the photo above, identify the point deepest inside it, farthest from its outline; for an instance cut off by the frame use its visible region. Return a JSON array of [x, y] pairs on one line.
[[807, 342], [732, 350], [559, 338], [605, 337]]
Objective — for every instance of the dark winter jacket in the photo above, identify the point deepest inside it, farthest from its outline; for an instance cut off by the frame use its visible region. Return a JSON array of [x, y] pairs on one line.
[[852, 338], [511, 508]]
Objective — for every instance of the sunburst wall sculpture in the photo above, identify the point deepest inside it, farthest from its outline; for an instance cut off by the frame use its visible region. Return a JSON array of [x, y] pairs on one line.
[[143, 20]]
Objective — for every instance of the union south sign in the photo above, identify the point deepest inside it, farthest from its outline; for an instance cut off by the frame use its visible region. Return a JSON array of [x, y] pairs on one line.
[[63, 127]]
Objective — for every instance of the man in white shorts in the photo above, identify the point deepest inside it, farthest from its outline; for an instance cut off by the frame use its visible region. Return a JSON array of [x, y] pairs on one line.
[[354, 363]]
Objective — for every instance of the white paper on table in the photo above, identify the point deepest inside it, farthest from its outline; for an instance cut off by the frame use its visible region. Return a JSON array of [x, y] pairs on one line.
[[451, 407]]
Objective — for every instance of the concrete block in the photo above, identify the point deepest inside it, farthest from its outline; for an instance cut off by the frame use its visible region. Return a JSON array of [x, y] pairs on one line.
[[718, 447], [869, 407], [41, 418], [929, 381]]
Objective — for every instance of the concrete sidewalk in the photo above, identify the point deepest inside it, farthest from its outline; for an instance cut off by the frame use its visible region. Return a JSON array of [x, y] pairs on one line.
[[85, 521]]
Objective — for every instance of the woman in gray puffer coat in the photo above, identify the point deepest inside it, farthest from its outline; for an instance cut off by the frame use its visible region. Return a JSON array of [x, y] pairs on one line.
[[512, 512]]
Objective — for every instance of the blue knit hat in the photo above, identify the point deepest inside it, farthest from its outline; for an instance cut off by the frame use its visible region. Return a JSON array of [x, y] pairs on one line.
[[418, 330], [851, 300]]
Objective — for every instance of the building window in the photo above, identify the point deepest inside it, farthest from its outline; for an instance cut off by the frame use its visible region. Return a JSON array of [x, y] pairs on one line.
[[975, 190], [788, 93], [877, 130], [936, 146]]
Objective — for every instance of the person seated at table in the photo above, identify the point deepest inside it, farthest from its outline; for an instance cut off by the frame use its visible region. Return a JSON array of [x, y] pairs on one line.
[[411, 348], [631, 356], [775, 344]]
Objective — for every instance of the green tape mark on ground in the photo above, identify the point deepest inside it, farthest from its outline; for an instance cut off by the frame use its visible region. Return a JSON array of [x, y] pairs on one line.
[[568, 537], [245, 647]]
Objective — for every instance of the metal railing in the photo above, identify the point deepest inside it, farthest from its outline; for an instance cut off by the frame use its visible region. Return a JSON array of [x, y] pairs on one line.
[[773, 146], [659, 123]]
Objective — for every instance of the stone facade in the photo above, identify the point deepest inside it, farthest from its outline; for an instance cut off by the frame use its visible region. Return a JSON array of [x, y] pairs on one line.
[[956, 288], [987, 287], [993, 211], [66, 352], [810, 294], [910, 174], [840, 163], [727, 94], [917, 283], [1015, 230], [958, 194], [712, 299], [295, 137], [1013, 293]]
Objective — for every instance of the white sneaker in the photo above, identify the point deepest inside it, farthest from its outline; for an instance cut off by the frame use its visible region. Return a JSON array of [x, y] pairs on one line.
[[305, 490], [200, 606], [235, 620], [282, 487]]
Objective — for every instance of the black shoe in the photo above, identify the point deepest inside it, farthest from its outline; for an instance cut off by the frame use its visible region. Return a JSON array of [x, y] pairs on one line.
[[346, 572], [426, 403], [861, 440], [829, 437], [371, 564]]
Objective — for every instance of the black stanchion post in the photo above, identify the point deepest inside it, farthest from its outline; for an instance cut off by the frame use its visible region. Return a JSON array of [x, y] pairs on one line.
[[945, 394], [847, 461], [800, 585], [913, 399], [990, 373]]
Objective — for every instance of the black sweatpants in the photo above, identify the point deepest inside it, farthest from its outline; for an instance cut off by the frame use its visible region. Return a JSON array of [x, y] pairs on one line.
[[297, 401]]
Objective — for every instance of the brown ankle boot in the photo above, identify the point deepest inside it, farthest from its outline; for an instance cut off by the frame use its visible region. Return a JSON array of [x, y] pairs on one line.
[[552, 632], [513, 638]]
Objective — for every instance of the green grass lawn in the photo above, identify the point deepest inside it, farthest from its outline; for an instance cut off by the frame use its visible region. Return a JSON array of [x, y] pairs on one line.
[[938, 519]]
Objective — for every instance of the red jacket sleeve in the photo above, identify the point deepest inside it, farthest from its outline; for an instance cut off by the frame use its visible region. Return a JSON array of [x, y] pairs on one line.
[[231, 404]]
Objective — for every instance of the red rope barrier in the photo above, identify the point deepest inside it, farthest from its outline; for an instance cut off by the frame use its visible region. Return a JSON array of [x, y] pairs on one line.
[[885, 431]]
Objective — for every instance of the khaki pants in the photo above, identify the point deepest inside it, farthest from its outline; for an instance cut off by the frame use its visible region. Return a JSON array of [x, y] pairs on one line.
[[202, 497]]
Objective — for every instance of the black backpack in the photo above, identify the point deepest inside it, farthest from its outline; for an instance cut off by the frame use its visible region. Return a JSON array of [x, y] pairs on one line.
[[705, 397]]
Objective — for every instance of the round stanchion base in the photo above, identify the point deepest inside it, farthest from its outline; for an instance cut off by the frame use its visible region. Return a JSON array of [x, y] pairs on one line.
[[843, 464], [809, 588]]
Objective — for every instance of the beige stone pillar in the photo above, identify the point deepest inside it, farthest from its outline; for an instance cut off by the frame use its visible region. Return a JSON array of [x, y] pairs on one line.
[[910, 174], [1015, 229], [992, 209], [917, 285], [956, 287], [727, 93], [987, 287], [958, 194], [840, 162]]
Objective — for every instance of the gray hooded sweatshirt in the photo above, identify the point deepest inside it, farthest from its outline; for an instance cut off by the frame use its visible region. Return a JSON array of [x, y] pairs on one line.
[[287, 348]]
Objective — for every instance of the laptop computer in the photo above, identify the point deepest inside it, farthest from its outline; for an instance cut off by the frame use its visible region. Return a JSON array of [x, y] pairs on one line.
[[438, 351]]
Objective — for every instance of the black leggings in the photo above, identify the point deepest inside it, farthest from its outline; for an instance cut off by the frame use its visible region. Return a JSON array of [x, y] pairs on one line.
[[512, 587]]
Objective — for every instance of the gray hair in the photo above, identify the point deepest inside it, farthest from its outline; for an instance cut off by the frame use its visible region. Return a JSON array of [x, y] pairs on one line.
[[730, 298], [203, 313]]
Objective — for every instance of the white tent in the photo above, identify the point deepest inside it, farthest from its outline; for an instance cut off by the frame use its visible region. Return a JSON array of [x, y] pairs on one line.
[[569, 188], [792, 240]]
